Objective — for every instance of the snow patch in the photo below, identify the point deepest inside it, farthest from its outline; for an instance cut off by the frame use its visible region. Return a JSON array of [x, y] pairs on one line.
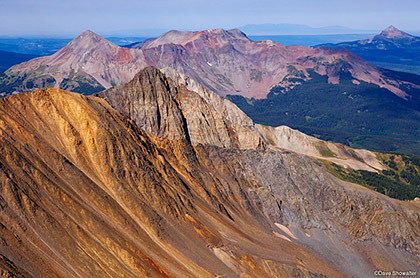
[[285, 230], [281, 236]]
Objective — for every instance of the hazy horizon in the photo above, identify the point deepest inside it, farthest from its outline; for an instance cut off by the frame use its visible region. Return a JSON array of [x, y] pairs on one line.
[[53, 18]]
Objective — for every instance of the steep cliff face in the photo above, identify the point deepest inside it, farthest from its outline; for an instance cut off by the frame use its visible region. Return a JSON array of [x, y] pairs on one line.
[[86, 193], [151, 99]]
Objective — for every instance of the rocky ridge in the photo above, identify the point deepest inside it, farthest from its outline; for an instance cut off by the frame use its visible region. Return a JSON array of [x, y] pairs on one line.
[[391, 32]]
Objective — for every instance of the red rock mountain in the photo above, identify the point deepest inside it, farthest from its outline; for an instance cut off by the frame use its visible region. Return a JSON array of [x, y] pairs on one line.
[[86, 193], [226, 62], [88, 59]]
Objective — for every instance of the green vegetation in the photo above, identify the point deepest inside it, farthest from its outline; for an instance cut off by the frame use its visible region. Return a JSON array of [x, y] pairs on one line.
[[295, 72], [396, 54], [361, 116], [9, 83], [81, 85], [401, 181], [223, 79], [324, 150], [39, 82]]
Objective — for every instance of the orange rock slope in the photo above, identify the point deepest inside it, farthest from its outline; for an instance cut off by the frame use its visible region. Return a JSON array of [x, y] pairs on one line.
[[84, 192]]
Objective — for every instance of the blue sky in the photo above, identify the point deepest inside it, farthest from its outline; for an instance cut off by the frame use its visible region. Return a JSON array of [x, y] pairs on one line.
[[68, 18]]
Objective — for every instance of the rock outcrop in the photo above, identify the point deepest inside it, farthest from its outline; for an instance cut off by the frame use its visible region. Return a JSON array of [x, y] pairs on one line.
[[202, 118]]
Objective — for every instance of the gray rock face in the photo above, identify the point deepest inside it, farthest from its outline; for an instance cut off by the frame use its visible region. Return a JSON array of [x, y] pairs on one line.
[[170, 110], [175, 106], [342, 222], [151, 100]]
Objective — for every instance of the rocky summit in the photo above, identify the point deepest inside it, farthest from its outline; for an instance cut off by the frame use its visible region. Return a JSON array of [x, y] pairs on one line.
[[127, 186], [224, 61], [391, 49]]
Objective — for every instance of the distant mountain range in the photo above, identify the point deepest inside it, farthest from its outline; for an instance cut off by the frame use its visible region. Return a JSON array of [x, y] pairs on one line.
[[392, 49], [8, 59], [225, 61], [33, 46], [331, 93], [297, 29]]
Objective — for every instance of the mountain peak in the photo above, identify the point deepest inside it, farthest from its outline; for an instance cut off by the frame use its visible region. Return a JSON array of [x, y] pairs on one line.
[[89, 35], [392, 32], [87, 40], [235, 33], [218, 36]]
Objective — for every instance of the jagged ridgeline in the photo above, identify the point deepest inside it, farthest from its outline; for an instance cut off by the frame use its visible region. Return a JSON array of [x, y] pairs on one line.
[[163, 178]]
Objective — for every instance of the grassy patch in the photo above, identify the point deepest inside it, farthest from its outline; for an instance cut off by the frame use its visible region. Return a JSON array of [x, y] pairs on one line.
[[401, 181], [324, 150]]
